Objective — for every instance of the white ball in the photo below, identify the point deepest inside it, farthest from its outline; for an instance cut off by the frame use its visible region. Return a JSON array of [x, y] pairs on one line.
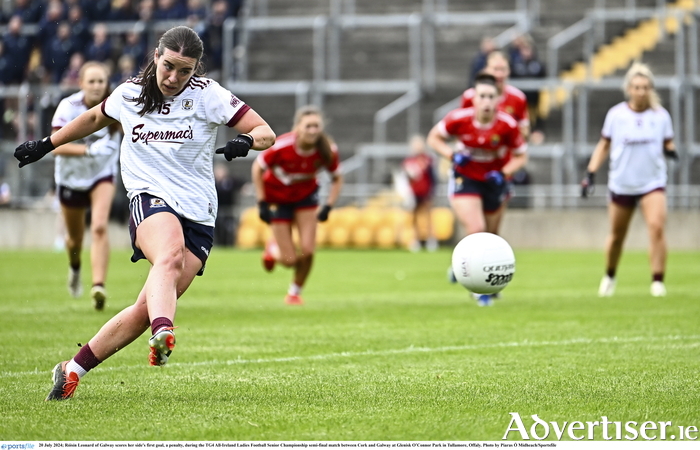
[[484, 263]]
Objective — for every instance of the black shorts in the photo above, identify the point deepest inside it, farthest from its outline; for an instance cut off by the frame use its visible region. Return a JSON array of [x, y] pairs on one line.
[[199, 238], [630, 201], [492, 196], [72, 198], [284, 212]]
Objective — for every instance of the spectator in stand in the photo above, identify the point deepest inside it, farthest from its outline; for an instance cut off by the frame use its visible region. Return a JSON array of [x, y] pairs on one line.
[[234, 7], [71, 77], [126, 68], [135, 46], [196, 10], [30, 11], [146, 11], [80, 28], [61, 49], [479, 62], [227, 189], [15, 54], [170, 10], [97, 10], [211, 34], [525, 64], [100, 49], [48, 29], [122, 11]]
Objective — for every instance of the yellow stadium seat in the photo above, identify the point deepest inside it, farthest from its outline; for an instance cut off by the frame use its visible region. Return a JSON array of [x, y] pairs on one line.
[[545, 104], [247, 238], [394, 217], [406, 237], [443, 223], [265, 234], [349, 216], [339, 237], [386, 237], [362, 237], [322, 234], [371, 217]]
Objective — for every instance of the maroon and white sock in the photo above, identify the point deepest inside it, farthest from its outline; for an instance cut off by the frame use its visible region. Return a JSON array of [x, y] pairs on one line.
[[160, 322]]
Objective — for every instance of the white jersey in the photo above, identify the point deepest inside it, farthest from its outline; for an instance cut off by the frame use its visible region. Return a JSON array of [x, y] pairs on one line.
[[81, 172], [169, 153], [637, 164]]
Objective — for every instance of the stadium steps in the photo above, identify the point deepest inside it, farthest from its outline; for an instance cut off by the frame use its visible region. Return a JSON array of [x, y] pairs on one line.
[[618, 54]]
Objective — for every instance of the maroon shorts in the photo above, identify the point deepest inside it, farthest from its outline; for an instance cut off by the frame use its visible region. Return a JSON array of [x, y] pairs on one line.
[[630, 201], [72, 198]]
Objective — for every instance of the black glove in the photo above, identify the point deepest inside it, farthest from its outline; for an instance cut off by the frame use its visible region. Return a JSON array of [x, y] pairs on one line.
[[236, 147], [322, 215], [264, 211], [672, 154], [587, 184], [33, 151]]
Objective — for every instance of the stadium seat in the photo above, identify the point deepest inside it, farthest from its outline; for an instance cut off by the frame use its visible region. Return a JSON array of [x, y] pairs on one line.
[[247, 237], [443, 223], [362, 237], [339, 237], [371, 217], [386, 237], [322, 234]]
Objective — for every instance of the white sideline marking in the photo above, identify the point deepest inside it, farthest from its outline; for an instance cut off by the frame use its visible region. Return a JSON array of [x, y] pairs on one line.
[[408, 350]]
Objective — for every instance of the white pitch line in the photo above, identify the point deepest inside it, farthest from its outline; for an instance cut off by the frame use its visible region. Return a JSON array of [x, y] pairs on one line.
[[402, 351]]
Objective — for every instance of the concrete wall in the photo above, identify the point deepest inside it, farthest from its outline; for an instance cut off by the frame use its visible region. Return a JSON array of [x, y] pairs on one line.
[[546, 229], [588, 229]]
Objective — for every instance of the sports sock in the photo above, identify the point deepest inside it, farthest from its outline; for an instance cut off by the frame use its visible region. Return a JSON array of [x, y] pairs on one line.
[[294, 289], [658, 277], [75, 267], [160, 322], [84, 361], [610, 273]]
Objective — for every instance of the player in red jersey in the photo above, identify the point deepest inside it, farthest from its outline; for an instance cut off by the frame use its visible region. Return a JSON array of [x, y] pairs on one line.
[[287, 190], [420, 170], [511, 100], [489, 150]]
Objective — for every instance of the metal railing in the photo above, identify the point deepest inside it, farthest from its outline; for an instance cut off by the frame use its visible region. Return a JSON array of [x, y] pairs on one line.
[[566, 156]]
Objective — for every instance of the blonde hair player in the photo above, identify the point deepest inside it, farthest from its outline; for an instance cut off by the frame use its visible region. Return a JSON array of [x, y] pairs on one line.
[[637, 136]]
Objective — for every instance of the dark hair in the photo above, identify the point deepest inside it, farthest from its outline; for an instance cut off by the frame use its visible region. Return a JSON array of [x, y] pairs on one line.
[[323, 144], [181, 40], [484, 78]]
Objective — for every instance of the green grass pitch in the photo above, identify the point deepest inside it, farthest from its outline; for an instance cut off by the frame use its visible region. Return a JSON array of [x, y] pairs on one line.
[[384, 349]]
